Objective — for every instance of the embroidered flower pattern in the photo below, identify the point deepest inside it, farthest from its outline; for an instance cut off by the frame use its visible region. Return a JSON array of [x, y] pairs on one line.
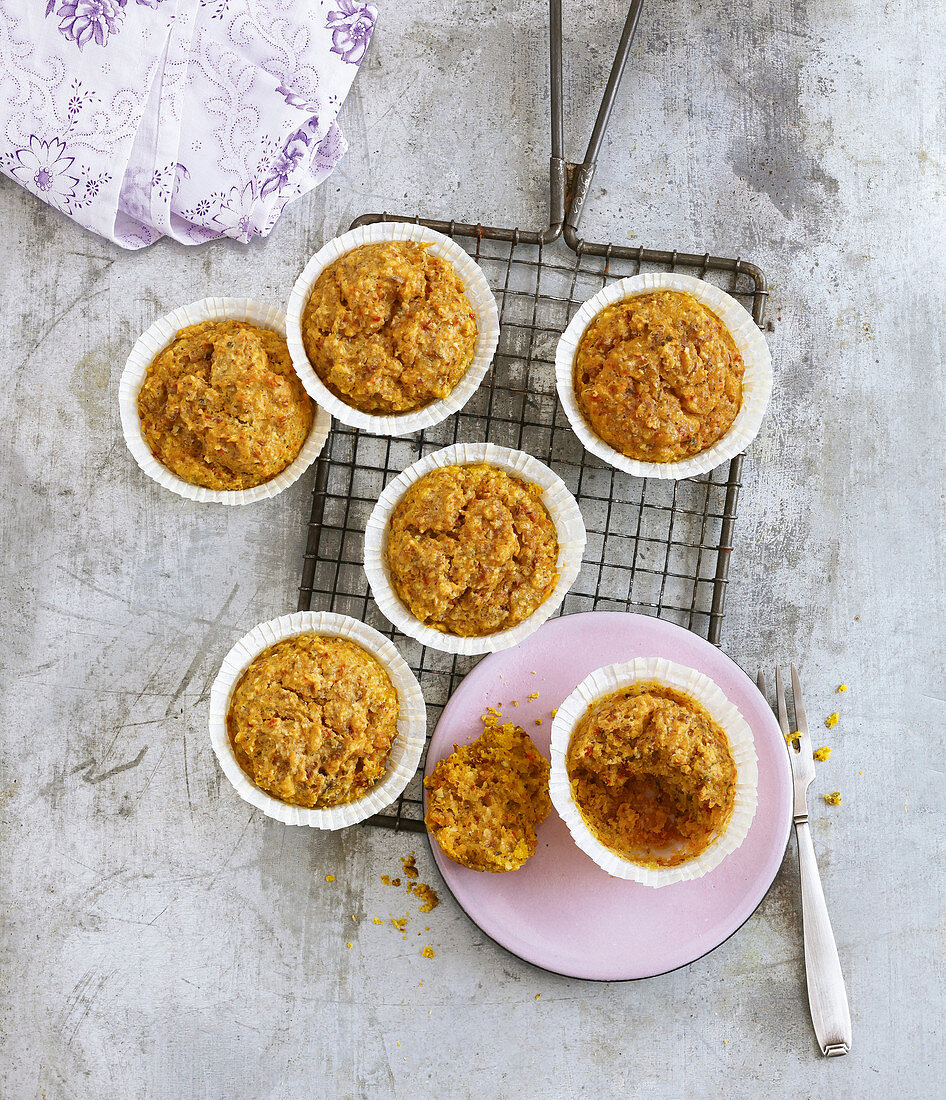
[[46, 170], [233, 213], [308, 102], [89, 20], [294, 154], [83, 21], [351, 28]]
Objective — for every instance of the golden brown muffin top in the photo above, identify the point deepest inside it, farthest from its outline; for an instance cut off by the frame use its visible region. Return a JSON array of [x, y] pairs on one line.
[[472, 550], [312, 720], [388, 327], [658, 376], [222, 407]]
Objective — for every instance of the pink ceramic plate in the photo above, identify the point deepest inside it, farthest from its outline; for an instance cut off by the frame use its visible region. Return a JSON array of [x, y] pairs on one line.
[[561, 911]]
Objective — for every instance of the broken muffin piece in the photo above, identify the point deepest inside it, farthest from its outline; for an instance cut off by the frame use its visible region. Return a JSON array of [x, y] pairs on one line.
[[485, 800]]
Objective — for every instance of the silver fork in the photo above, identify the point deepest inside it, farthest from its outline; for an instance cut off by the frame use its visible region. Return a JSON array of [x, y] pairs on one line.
[[826, 993]]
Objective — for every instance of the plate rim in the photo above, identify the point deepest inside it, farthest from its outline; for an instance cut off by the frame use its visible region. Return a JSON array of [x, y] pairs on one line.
[[561, 973]]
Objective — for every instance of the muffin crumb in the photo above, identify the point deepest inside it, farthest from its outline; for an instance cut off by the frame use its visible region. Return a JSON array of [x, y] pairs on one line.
[[427, 895], [842, 687], [428, 952], [833, 799], [832, 720], [410, 866], [824, 753]]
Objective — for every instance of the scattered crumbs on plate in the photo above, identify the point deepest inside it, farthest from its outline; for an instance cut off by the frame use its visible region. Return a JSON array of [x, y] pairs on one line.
[[515, 702], [410, 866], [349, 943], [538, 995], [354, 919], [538, 721], [824, 753], [386, 879], [842, 687], [857, 618], [377, 920], [426, 927], [329, 878], [554, 712], [791, 738], [833, 799], [428, 952], [400, 923], [832, 720], [534, 695], [399, 1044]]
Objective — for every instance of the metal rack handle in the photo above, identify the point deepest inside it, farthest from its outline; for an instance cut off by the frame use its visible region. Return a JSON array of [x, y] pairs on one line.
[[557, 167], [581, 183]]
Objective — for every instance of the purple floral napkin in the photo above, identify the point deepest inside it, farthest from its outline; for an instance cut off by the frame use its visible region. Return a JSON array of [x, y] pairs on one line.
[[193, 119]]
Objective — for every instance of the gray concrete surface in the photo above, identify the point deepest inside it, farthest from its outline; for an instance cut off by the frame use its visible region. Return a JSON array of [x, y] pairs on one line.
[[159, 939]]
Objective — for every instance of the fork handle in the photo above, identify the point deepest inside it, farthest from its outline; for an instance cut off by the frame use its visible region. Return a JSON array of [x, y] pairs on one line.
[[826, 993]]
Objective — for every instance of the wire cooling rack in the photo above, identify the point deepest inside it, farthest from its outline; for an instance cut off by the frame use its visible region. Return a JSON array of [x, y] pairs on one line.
[[657, 547]]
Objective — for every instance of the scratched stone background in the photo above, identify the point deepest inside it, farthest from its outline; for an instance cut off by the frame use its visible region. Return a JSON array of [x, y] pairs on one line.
[[161, 940]]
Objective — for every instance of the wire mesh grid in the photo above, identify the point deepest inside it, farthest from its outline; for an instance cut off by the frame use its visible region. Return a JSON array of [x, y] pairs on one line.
[[656, 547]]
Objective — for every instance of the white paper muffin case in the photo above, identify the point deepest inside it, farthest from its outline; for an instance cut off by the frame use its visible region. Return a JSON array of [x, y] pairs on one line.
[[477, 291], [411, 724], [756, 383], [612, 678], [561, 506], [155, 340]]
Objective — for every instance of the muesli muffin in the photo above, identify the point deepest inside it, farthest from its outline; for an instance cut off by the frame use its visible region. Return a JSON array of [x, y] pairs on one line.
[[658, 376], [485, 800], [472, 550], [312, 720], [388, 327], [652, 774], [222, 407]]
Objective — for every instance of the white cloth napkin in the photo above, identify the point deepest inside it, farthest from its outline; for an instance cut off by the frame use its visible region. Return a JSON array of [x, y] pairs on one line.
[[193, 119]]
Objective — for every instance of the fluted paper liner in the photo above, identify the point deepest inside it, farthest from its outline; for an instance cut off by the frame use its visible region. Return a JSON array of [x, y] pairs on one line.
[[411, 723], [756, 382], [561, 506], [151, 343], [477, 291], [611, 678]]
